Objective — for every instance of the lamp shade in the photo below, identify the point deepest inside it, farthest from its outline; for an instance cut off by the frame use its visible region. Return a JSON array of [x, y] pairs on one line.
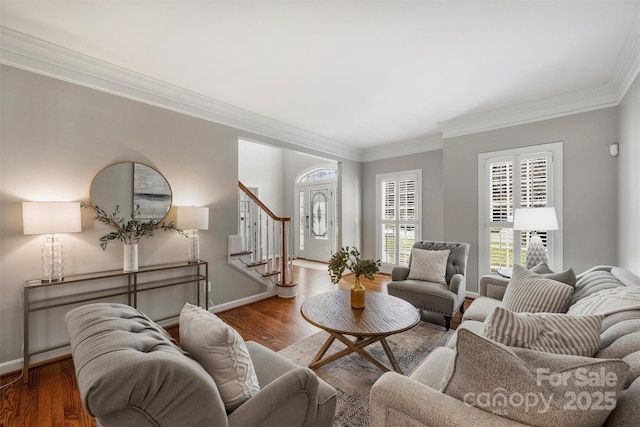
[[192, 218], [51, 217], [535, 219]]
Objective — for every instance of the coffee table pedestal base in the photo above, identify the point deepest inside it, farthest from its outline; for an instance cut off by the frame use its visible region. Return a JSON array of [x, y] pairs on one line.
[[354, 346]]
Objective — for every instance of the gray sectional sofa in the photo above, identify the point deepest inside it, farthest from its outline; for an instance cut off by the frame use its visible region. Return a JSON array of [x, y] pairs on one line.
[[417, 399], [131, 373]]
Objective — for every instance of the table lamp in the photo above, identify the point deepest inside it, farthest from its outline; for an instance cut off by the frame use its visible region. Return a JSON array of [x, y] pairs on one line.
[[535, 219], [191, 219], [50, 218]]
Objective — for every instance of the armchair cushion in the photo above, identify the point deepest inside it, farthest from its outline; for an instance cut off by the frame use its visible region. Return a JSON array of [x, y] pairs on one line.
[[430, 266], [222, 352]]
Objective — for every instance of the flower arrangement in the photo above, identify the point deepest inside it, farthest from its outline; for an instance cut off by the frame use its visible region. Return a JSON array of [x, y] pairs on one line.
[[349, 259], [128, 231]]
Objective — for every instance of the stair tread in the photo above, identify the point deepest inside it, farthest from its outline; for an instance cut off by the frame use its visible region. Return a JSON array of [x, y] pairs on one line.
[[241, 253]]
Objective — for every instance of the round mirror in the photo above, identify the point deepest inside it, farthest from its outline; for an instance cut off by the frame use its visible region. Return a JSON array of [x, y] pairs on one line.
[[128, 185]]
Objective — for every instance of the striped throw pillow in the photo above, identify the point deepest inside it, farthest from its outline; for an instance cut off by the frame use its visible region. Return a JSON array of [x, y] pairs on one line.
[[531, 293], [548, 332]]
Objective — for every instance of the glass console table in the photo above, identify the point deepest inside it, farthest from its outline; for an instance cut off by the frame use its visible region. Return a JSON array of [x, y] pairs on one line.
[[110, 284]]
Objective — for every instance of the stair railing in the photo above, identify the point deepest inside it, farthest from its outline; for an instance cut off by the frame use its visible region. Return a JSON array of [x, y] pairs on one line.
[[265, 236]]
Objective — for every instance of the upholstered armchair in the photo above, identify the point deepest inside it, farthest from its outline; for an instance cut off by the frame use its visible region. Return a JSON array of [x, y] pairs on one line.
[[435, 280]]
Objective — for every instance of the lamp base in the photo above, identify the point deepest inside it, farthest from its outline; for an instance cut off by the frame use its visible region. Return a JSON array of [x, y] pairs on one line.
[[193, 255], [52, 265], [536, 252]]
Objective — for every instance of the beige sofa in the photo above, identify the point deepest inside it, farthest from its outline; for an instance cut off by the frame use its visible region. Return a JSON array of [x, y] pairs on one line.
[[415, 400]]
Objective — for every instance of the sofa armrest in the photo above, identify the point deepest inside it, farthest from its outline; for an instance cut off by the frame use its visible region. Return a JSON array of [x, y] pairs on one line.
[[289, 400], [458, 285], [400, 273], [493, 286], [399, 400]]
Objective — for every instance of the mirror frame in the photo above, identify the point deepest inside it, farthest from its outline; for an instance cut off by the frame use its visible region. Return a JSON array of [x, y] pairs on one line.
[[126, 209]]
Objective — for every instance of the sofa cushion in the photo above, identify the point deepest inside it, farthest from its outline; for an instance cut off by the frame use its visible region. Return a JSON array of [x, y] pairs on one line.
[[470, 325], [531, 293], [221, 351], [533, 387], [568, 276], [431, 370], [480, 309], [549, 332], [430, 266]]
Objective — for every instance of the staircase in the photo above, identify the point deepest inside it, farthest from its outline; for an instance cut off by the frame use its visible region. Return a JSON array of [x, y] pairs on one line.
[[262, 249]]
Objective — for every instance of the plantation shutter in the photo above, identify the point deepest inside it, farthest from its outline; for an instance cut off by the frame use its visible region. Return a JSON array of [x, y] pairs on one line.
[[398, 222], [501, 185], [515, 181]]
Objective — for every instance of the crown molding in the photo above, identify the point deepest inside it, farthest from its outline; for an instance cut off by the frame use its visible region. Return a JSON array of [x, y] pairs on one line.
[[39, 56], [580, 101], [627, 64], [403, 148], [610, 94]]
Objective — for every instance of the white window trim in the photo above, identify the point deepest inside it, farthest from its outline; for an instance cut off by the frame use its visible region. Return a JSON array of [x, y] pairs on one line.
[[386, 267], [555, 255]]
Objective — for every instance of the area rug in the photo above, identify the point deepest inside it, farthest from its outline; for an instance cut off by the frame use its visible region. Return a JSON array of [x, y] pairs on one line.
[[353, 376]]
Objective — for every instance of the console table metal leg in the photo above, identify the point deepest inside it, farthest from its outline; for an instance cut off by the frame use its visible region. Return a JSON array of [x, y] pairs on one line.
[[25, 363]]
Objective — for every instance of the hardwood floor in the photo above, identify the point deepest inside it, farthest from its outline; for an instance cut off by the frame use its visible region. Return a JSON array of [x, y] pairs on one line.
[[52, 399]]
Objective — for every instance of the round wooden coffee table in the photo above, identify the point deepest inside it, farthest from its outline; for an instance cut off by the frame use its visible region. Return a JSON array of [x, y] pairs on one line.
[[382, 316]]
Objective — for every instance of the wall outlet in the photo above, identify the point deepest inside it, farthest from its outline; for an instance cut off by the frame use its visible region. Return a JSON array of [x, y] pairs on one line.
[[209, 287]]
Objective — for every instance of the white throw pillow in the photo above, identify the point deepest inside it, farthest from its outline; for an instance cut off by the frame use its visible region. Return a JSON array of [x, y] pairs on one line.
[[430, 266], [529, 292], [222, 353], [549, 332]]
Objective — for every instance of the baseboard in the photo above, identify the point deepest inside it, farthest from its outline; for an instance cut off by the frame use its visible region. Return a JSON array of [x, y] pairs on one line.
[[240, 302], [16, 364], [472, 295]]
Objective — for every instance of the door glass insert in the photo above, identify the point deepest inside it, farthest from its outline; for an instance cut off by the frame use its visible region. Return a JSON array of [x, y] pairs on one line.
[[319, 218]]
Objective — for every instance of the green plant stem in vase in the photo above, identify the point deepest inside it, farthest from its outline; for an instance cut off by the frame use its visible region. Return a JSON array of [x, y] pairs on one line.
[[348, 258], [128, 231]]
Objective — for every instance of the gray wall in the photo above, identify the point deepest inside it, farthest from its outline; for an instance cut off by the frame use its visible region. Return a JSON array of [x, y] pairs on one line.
[[432, 197], [629, 180], [261, 166], [350, 202], [590, 185], [55, 136]]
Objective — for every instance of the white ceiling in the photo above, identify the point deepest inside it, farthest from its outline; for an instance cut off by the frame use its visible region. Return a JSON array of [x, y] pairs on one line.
[[359, 74]]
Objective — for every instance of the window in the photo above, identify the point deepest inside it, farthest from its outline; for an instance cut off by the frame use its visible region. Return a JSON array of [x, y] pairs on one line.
[[398, 213], [319, 175], [527, 177]]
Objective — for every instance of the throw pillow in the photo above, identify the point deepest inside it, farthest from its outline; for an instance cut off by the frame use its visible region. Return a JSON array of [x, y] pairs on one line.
[[528, 292], [430, 266], [548, 332], [222, 353], [541, 268], [533, 387], [567, 276]]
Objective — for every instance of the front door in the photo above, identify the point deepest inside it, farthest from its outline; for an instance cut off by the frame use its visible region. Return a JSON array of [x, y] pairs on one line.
[[315, 219]]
